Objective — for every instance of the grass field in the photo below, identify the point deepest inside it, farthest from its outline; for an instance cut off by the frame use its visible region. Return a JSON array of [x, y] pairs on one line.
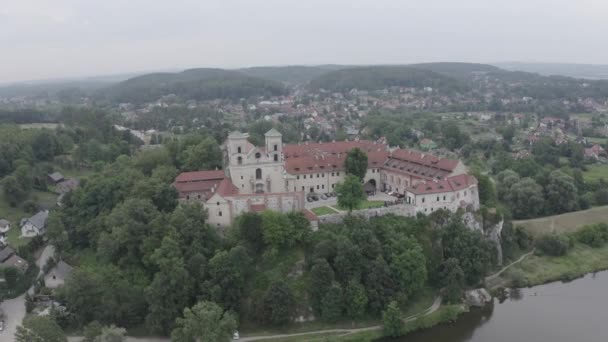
[[580, 260], [565, 222], [320, 211], [366, 205], [595, 173]]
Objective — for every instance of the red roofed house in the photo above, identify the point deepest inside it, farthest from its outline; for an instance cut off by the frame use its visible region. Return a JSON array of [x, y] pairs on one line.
[[449, 193]]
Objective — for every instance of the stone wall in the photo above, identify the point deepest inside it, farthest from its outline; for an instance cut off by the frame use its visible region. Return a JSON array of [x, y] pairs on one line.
[[399, 210]]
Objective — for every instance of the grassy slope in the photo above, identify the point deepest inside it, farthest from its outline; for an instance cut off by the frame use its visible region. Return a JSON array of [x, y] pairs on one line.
[[565, 222], [595, 173], [581, 259], [323, 211]]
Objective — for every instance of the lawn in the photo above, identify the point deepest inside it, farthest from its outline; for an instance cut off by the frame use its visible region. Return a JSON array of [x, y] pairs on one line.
[[595, 173], [565, 222], [366, 205], [580, 260], [320, 211]]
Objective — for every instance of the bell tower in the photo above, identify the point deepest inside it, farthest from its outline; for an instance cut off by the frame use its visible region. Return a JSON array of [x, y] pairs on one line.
[[274, 145]]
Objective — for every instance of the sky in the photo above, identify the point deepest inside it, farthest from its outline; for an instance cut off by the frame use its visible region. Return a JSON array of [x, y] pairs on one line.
[[46, 39]]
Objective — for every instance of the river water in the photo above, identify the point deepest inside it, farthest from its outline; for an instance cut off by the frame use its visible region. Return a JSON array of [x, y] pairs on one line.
[[556, 312]]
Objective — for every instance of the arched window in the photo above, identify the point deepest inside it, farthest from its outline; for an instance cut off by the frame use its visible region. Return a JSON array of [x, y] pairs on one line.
[[258, 173], [258, 155], [276, 147], [276, 157], [239, 160], [238, 149]]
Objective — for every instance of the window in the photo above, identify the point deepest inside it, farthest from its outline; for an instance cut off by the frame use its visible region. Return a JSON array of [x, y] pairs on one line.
[[297, 177], [218, 203], [323, 186], [422, 199], [199, 196], [276, 147], [187, 197], [238, 149], [241, 177], [258, 155], [239, 160], [304, 176], [276, 157], [317, 186], [332, 174], [425, 210], [338, 174], [333, 186], [323, 175], [318, 175], [302, 188], [444, 198], [437, 198], [258, 173], [219, 213]]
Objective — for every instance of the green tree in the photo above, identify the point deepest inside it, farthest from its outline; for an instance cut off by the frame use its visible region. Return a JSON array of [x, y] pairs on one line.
[[561, 193], [227, 275], [409, 268], [451, 279], [206, 155], [356, 163], [13, 191], [553, 244], [391, 321], [487, 194], [39, 329], [204, 322], [355, 299], [525, 199], [350, 193], [169, 292], [11, 275], [250, 230], [333, 303], [321, 278], [279, 304], [278, 230]]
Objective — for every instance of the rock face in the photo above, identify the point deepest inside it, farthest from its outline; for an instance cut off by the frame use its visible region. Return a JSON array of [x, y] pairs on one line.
[[478, 297], [471, 221], [494, 234]]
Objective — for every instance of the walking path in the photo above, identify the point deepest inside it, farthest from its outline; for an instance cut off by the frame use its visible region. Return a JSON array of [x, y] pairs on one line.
[[344, 332], [497, 274]]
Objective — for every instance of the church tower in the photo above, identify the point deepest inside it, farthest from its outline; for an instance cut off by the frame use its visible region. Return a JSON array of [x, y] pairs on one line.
[[274, 145]]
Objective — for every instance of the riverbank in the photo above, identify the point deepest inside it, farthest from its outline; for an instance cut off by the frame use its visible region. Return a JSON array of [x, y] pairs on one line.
[[541, 269]]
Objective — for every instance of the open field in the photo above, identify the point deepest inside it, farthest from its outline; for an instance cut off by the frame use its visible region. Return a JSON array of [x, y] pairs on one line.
[[541, 269], [568, 222], [366, 205], [595, 173], [320, 211]]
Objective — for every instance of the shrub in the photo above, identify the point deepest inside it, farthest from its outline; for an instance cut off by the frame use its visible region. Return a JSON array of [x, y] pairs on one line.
[[593, 235], [553, 244]]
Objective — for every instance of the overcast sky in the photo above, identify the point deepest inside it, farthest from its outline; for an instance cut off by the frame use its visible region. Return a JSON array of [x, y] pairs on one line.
[[42, 39]]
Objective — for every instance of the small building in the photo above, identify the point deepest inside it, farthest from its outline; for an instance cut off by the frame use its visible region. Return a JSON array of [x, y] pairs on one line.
[[427, 144], [5, 226], [35, 225], [67, 185], [55, 177], [8, 258], [58, 275]]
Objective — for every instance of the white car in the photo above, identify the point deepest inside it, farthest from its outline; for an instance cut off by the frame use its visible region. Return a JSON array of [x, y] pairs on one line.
[[236, 335]]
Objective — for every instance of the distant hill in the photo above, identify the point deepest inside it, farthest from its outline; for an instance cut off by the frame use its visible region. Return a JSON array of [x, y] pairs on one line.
[[293, 74], [380, 77], [195, 84], [589, 71], [458, 70]]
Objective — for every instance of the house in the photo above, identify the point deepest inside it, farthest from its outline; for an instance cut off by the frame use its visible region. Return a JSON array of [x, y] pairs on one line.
[[595, 152], [55, 177], [8, 258], [57, 276], [35, 225], [5, 226], [427, 144], [67, 185]]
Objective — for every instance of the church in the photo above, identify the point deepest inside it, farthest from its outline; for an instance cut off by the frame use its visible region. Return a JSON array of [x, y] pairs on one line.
[[278, 177]]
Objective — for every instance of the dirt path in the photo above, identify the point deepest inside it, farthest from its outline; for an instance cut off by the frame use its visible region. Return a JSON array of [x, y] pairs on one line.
[[491, 277], [344, 332]]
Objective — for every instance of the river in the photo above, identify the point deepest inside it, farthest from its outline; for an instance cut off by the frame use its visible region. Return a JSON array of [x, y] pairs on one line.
[[556, 312]]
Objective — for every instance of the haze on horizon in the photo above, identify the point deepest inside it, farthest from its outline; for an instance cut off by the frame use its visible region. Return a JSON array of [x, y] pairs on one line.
[[73, 38]]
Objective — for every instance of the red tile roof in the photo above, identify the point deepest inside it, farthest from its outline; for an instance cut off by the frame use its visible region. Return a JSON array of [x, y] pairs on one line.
[[200, 176], [425, 159], [449, 184], [327, 157], [310, 215], [256, 208], [226, 188]]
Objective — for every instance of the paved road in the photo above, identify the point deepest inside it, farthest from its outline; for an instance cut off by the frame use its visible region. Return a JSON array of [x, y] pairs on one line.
[[14, 309]]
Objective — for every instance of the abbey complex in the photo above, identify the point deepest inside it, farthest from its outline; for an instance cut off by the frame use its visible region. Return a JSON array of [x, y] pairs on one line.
[[279, 177]]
